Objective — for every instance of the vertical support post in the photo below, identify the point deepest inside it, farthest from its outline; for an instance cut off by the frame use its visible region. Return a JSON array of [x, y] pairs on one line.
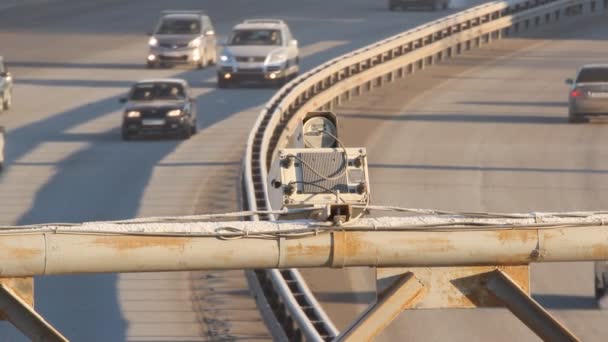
[[402, 295], [527, 309], [24, 318], [601, 279]]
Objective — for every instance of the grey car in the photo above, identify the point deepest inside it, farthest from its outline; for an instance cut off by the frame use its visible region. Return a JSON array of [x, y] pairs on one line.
[[6, 87], [259, 50], [182, 37], [588, 93]]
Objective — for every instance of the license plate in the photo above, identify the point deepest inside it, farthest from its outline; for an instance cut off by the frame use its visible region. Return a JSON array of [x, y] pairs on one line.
[[173, 53], [599, 94], [153, 122]]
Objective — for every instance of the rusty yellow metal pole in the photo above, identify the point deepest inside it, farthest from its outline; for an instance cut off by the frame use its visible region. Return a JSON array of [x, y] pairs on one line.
[[24, 255], [402, 295], [527, 309], [24, 318]]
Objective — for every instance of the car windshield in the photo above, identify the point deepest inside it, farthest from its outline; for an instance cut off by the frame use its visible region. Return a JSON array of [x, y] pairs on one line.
[[256, 37], [157, 91], [593, 75], [179, 26]]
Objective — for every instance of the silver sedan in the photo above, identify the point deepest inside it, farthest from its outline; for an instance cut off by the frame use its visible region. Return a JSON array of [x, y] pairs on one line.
[[588, 93]]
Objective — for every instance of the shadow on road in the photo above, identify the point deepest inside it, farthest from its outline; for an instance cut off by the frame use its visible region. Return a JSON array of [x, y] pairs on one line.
[[566, 302]]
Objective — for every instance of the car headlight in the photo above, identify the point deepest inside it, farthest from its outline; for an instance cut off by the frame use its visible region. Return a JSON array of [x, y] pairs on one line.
[[133, 114], [153, 41], [276, 58], [195, 43], [226, 58], [174, 112]]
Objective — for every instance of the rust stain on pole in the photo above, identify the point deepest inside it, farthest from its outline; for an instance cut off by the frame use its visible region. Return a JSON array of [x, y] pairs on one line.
[[22, 253], [126, 243], [517, 235], [430, 244], [307, 250], [599, 251]]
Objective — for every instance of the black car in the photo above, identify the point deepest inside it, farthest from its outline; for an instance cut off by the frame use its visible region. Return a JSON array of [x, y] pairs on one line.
[[160, 107]]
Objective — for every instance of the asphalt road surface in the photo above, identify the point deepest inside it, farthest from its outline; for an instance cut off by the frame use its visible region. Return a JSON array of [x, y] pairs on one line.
[[486, 131], [65, 161]]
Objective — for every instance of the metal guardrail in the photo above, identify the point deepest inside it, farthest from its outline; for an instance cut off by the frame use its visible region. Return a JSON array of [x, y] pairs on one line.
[[352, 74]]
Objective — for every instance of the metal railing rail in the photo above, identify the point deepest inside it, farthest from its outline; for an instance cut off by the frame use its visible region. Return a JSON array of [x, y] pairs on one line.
[[352, 74]]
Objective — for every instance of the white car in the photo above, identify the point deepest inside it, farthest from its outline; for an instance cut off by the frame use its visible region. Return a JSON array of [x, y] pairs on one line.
[[259, 50]]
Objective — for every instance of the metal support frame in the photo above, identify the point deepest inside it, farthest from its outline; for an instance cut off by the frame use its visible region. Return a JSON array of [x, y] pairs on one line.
[[527, 309], [24, 318], [601, 279], [405, 292]]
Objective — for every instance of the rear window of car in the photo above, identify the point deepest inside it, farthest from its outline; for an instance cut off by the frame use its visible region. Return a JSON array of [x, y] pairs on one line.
[[593, 75], [157, 91], [179, 26]]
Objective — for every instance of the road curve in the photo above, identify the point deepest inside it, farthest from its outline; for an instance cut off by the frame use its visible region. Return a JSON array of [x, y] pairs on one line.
[[486, 131], [66, 163]]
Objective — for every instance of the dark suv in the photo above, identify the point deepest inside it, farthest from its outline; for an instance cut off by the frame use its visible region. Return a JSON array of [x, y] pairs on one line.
[[161, 106], [435, 5], [6, 87]]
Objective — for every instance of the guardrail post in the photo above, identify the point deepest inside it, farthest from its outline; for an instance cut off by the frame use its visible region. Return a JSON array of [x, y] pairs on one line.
[[527, 309]]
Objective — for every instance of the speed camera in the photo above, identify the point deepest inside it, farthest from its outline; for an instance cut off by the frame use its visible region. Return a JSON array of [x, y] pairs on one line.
[[320, 176]]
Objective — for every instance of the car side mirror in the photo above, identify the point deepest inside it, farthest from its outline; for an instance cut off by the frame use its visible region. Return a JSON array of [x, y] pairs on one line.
[[149, 33], [293, 42], [122, 100], [209, 33], [569, 81]]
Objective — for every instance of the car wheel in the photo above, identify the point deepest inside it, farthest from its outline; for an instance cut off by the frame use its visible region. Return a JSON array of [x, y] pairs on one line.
[[194, 128], [576, 118], [186, 133]]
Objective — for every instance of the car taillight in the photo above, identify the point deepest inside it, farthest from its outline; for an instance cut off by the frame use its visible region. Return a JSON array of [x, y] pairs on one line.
[[576, 93]]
